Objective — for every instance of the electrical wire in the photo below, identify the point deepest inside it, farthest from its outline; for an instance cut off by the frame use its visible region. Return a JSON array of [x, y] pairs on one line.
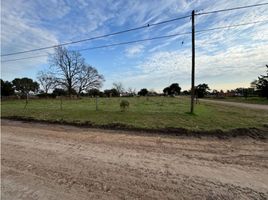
[[148, 39], [231, 26], [132, 29], [230, 9], [98, 37], [24, 58]]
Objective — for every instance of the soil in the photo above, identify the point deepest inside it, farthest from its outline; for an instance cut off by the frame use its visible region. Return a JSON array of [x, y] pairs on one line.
[[238, 104], [49, 161]]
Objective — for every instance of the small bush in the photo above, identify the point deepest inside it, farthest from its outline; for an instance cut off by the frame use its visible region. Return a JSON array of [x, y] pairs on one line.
[[124, 105]]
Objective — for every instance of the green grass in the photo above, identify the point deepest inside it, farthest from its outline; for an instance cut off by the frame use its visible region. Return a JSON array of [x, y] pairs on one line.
[[253, 100], [152, 112]]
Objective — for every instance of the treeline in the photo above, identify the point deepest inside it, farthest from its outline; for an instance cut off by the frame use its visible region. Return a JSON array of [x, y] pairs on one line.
[[70, 75], [258, 87], [19, 86], [26, 86]]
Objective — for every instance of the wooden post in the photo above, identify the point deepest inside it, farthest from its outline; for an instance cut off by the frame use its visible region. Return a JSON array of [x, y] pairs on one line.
[[193, 63], [60, 102], [26, 102], [97, 103]]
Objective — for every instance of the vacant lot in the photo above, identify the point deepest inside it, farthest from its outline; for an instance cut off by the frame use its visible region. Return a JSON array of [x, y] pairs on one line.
[[151, 112], [62, 162]]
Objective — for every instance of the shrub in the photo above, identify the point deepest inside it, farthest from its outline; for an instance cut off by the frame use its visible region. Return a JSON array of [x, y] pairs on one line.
[[124, 104]]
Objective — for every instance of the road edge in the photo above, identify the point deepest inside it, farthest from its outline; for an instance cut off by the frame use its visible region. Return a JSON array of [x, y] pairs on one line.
[[253, 132]]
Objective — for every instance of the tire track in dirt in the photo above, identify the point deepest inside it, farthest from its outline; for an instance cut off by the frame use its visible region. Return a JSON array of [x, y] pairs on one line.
[[62, 163]]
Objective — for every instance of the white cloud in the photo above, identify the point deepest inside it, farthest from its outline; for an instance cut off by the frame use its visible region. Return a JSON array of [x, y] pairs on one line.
[[233, 66], [31, 24], [134, 50], [20, 34], [223, 53], [167, 62]]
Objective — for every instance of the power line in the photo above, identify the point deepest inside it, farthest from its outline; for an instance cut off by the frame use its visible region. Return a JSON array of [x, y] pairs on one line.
[[132, 29], [24, 58], [134, 41], [108, 45], [148, 39], [230, 9], [231, 26], [98, 37]]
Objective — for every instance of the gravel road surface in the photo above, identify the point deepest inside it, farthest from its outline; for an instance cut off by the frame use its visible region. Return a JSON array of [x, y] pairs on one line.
[[56, 162], [238, 104]]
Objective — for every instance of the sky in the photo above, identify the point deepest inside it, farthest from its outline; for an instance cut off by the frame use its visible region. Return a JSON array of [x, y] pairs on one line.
[[225, 58]]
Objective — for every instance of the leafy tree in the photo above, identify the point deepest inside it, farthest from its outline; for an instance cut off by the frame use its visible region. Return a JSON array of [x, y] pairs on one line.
[[262, 84], [245, 92], [143, 92], [215, 93], [166, 91], [59, 92], [6, 88], [111, 93], [253, 84], [239, 91], [201, 90], [94, 92], [25, 85], [186, 92], [152, 93], [173, 89], [251, 91]]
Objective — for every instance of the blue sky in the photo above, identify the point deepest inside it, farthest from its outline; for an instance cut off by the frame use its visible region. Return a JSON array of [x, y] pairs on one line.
[[225, 59]]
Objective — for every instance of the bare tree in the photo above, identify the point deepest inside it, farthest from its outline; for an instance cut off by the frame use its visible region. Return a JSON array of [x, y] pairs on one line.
[[46, 80], [67, 65], [88, 78], [72, 72], [119, 87], [131, 92]]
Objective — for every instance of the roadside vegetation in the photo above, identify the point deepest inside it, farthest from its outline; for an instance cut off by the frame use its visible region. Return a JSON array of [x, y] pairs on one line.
[[70, 92], [142, 112]]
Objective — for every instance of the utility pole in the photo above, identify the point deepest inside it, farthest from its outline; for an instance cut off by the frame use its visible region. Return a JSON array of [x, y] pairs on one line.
[[193, 63]]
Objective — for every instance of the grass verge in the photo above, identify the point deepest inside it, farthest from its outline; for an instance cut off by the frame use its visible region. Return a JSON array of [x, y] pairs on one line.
[[143, 113], [254, 133]]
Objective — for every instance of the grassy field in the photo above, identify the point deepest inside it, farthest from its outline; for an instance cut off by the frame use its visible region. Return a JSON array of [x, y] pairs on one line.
[[152, 112], [254, 100]]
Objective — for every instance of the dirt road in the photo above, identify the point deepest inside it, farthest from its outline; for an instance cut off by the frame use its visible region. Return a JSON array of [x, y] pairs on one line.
[[62, 162], [238, 104]]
